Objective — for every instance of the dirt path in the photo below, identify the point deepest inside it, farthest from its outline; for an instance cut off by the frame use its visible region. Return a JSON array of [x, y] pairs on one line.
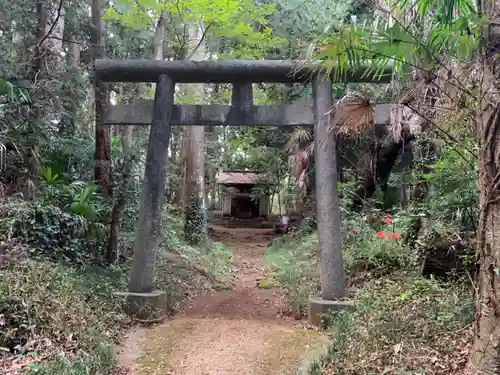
[[229, 332]]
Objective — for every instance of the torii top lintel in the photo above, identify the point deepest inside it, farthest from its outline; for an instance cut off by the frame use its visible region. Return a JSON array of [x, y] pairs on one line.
[[226, 71]]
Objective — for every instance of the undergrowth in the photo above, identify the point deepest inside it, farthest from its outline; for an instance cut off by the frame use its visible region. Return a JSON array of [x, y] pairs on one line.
[[47, 310], [181, 267], [402, 327], [213, 256], [401, 323], [101, 361], [58, 314], [294, 259]]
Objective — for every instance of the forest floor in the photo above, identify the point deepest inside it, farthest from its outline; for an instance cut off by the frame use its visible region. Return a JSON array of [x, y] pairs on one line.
[[241, 330]]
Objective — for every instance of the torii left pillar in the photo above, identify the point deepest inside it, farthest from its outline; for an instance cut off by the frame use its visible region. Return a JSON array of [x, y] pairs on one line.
[[142, 301]]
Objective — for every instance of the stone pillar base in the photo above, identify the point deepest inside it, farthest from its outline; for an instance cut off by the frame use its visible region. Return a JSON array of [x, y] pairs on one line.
[[319, 310], [144, 306]]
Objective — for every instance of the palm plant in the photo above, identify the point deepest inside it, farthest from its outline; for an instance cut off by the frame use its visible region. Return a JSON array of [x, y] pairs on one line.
[[412, 36], [352, 114], [453, 31]]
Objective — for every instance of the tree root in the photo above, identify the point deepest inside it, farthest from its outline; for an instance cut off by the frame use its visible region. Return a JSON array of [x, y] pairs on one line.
[[176, 258], [150, 321]]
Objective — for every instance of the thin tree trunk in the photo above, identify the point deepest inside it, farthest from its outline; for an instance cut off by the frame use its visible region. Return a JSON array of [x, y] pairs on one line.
[[159, 38], [213, 190], [119, 206], [102, 132], [181, 191], [128, 159], [46, 61], [195, 229], [172, 187], [76, 51], [384, 157]]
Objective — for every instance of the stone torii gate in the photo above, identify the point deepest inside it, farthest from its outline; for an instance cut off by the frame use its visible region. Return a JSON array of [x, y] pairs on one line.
[[142, 300]]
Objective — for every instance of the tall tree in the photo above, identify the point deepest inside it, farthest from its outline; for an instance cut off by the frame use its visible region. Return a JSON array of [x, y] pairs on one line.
[[195, 229], [128, 157], [46, 64], [486, 353], [50, 31], [102, 132], [452, 30]]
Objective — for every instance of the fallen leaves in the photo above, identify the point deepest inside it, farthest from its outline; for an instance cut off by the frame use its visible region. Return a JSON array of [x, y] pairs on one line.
[[423, 333]]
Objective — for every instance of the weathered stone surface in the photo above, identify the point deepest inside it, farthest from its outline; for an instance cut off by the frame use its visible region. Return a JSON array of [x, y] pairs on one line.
[[222, 71], [153, 190], [320, 309], [144, 306], [140, 112], [332, 275]]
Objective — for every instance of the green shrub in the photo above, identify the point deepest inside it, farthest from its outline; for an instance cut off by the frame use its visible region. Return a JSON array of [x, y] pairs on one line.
[[370, 247], [101, 362], [50, 308], [364, 251], [399, 327], [294, 260], [44, 305], [217, 260], [48, 232]]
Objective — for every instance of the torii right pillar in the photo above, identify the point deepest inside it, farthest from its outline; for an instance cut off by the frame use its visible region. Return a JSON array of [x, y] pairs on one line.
[[328, 209]]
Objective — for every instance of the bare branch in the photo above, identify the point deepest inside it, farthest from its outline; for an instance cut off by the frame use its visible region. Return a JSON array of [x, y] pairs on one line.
[[54, 23]]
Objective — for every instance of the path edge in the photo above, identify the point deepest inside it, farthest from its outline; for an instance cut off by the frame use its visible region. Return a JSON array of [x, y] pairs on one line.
[[314, 356]]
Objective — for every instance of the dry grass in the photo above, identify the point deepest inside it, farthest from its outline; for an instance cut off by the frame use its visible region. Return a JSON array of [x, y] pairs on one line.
[[48, 310], [402, 324], [352, 114], [402, 327]]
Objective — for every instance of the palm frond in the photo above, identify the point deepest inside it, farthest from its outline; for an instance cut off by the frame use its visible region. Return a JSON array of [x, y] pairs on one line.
[[298, 138], [403, 120], [299, 163], [310, 148], [352, 114]]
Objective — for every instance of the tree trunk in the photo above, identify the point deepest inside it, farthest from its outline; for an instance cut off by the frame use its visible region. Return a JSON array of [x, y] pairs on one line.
[[195, 229], [128, 158], [119, 206], [76, 51], [384, 157], [194, 208], [159, 38], [173, 187], [49, 35], [46, 61], [102, 132], [181, 188], [485, 358]]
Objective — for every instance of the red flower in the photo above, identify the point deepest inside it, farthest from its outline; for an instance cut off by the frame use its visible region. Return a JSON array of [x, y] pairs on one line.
[[387, 220], [392, 236]]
